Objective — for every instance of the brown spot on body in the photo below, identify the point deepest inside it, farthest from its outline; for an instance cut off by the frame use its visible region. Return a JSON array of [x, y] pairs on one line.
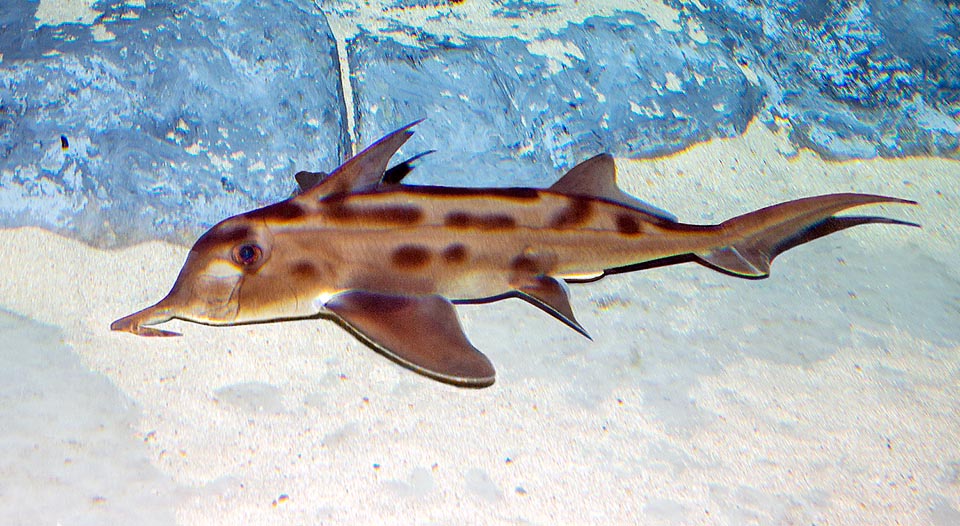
[[531, 263], [457, 220], [398, 215], [496, 222], [628, 225], [411, 256], [303, 270], [525, 264], [576, 213], [455, 253], [479, 221]]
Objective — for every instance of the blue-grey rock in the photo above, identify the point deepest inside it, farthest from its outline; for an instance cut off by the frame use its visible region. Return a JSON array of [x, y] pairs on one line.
[[193, 112], [500, 114], [854, 79]]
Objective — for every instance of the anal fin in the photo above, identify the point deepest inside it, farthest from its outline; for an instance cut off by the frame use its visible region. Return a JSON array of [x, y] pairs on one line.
[[421, 333], [747, 262]]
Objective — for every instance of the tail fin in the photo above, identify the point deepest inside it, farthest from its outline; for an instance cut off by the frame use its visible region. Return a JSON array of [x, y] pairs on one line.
[[758, 237]]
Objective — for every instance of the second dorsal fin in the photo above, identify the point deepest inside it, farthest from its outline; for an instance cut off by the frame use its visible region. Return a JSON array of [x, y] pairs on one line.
[[597, 177]]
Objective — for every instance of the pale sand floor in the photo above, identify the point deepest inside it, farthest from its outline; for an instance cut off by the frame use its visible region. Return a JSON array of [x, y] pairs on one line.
[[826, 394]]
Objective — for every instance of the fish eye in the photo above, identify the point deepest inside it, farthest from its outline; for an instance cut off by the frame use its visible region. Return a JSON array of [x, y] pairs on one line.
[[247, 254]]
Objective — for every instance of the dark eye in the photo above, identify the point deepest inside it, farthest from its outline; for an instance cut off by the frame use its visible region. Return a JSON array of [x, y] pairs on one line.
[[247, 255]]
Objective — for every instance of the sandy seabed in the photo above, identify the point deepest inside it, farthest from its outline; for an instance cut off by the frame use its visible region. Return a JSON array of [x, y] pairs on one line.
[[826, 394]]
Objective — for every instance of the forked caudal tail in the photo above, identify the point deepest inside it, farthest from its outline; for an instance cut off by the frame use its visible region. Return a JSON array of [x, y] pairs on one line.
[[754, 239]]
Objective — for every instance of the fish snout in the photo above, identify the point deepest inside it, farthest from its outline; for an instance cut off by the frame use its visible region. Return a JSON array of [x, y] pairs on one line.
[[134, 323]]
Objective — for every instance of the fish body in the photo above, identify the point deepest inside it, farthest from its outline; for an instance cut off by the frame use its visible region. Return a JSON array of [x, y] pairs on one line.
[[386, 260], [460, 243]]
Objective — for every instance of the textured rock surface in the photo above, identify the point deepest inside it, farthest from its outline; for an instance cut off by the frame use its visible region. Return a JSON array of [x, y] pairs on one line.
[[176, 116], [618, 85], [855, 79], [180, 115]]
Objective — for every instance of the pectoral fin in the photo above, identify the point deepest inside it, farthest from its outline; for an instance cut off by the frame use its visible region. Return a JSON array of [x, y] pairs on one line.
[[421, 333]]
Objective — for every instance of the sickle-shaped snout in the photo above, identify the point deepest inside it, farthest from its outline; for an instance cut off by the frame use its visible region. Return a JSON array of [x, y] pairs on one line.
[[134, 323], [197, 296]]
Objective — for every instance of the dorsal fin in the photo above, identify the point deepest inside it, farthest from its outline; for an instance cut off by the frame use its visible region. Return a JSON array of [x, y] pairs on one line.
[[597, 177], [393, 175], [364, 169]]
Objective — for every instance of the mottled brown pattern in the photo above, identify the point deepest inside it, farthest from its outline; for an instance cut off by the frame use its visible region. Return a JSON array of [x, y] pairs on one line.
[[479, 221], [457, 220], [526, 264], [411, 256], [303, 270], [282, 211], [576, 213], [399, 215], [628, 225], [222, 235], [455, 253], [392, 269]]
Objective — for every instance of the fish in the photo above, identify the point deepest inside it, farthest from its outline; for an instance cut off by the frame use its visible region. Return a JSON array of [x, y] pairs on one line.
[[388, 261]]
